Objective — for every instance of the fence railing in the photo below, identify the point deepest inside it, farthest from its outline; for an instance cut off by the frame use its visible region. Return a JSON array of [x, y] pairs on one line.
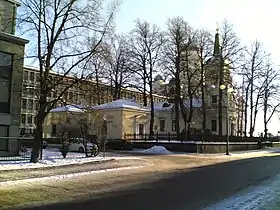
[[14, 149], [171, 137]]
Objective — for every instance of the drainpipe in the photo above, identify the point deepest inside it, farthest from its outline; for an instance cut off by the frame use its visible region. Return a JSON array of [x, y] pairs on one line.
[[14, 20]]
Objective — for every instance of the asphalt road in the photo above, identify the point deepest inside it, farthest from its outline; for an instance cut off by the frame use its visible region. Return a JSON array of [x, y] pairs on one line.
[[187, 189]]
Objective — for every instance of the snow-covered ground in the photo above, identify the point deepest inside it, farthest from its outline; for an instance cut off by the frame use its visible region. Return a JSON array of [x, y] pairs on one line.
[[265, 196], [52, 157]]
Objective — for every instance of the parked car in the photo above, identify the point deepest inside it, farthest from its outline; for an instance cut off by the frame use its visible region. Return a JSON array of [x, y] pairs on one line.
[[78, 145], [119, 144]]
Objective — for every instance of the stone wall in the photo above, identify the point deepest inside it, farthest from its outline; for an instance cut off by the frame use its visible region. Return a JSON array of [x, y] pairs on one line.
[[199, 147]]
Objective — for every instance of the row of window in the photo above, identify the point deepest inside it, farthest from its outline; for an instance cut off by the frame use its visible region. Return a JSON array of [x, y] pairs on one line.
[[28, 118], [5, 81], [32, 77], [162, 125]]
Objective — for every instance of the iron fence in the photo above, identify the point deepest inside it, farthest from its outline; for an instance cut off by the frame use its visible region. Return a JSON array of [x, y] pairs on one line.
[[13, 149], [171, 137]]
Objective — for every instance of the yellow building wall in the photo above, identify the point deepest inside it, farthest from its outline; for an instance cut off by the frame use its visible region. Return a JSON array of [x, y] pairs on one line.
[[64, 121], [113, 120], [131, 118]]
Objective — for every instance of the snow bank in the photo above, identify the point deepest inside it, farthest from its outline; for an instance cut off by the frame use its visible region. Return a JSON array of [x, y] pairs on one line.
[[157, 150], [52, 157]]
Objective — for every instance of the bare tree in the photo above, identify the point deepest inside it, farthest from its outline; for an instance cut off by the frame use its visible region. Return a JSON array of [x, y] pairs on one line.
[[97, 66], [117, 61], [148, 40], [62, 30], [269, 97], [254, 65], [176, 39], [204, 51]]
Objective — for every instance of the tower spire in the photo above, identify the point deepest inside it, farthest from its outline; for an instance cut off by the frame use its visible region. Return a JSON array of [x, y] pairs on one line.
[[217, 42]]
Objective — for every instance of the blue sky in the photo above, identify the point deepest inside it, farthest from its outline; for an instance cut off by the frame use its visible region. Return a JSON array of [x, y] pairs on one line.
[[252, 19]]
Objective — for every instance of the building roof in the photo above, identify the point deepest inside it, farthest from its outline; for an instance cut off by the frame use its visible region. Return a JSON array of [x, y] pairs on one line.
[[69, 108], [121, 104], [197, 103]]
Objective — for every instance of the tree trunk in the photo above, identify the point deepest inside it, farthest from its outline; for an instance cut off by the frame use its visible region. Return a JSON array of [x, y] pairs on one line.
[[145, 101], [246, 111], [97, 89], [177, 105], [152, 112], [38, 132], [265, 121], [251, 107], [190, 117]]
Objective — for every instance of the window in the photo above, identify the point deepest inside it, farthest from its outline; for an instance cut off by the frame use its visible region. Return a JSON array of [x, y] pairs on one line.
[[23, 117], [30, 105], [37, 77], [22, 131], [214, 125], [29, 119], [24, 103], [214, 99], [141, 129], [4, 132], [32, 76], [173, 125], [162, 125], [5, 81], [25, 75], [36, 105], [53, 130]]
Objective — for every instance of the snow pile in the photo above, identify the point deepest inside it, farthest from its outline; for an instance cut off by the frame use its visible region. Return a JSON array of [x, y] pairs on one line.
[[157, 150], [52, 157]]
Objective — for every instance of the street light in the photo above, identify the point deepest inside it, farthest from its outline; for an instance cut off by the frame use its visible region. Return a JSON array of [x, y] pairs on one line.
[[104, 134], [227, 90]]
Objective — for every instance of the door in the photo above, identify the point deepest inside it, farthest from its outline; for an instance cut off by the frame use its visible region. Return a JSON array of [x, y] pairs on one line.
[[141, 130]]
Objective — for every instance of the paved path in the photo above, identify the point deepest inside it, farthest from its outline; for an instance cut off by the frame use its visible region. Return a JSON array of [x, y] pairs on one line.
[[187, 189]]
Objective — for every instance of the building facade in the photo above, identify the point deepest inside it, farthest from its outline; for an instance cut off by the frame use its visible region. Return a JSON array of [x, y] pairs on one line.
[[83, 93], [11, 68]]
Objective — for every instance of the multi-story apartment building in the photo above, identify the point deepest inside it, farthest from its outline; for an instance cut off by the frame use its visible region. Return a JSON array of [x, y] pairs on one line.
[[84, 93], [11, 65]]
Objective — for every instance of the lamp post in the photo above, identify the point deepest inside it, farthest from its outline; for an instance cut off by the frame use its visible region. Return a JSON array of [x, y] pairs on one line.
[[227, 90], [104, 134]]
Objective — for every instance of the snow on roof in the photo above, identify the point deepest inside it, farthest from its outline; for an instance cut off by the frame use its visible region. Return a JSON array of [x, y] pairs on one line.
[[121, 104], [69, 108], [160, 106]]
